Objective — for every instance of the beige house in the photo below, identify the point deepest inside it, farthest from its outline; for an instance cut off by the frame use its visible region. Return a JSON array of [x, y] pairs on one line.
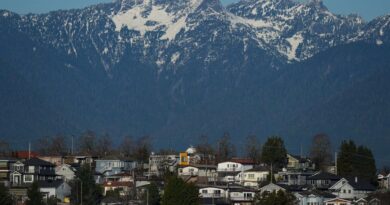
[[338, 201]]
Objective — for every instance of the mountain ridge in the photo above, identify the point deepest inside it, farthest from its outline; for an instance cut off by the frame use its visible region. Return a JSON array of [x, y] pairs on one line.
[[204, 69]]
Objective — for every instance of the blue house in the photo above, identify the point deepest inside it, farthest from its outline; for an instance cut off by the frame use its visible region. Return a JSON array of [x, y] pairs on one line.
[[112, 166]]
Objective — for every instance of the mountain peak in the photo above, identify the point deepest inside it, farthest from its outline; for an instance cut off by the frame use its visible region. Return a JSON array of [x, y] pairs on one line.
[[317, 4]]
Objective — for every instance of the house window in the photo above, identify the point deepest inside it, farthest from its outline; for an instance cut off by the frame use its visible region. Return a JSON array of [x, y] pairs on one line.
[[28, 178], [344, 191], [349, 191], [251, 176], [204, 191]]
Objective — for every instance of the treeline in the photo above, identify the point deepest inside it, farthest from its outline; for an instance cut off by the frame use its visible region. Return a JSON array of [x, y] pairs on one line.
[[352, 160]]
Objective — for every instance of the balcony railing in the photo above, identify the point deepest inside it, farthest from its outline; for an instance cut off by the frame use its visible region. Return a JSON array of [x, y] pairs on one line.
[[211, 195]]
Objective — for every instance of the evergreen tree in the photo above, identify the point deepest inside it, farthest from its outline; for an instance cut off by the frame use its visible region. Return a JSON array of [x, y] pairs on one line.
[[5, 197], [34, 196], [356, 161], [153, 195], [274, 153], [345, 165], [180, 193], [275, 198], [85, 184]]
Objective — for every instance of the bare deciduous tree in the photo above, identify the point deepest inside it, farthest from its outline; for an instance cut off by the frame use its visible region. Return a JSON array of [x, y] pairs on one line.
[[253, 148], [104, 146], [142, 149], [225, 150], [5, 148], [205, 149], [87, 143], [127, 147], [321, 151]]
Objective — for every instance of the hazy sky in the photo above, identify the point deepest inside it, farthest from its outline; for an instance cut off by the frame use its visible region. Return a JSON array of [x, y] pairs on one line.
[[368, 9]]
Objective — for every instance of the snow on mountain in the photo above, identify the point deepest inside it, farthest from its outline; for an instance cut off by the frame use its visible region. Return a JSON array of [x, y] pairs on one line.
[[156, 30]]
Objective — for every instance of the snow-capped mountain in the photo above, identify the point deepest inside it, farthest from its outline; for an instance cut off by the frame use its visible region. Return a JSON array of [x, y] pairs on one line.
[[170, 33], [175, 68]]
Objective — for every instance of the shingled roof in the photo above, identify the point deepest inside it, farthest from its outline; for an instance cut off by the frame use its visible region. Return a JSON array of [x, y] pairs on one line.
[[37, 162], [360, 184], [324, 176], [50, 184]]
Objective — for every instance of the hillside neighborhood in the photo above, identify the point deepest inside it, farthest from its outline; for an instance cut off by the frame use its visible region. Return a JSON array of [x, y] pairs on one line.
[[259, 178]]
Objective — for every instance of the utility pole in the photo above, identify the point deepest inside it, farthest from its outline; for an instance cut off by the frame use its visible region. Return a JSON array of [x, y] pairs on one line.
[[335, 162], [81, 182], [72, 146], [301, 151], [147, 196], [271, 173], [29, 150]]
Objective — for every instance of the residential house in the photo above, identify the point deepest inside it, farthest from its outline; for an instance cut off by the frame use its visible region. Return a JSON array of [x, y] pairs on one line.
[[296, 162], [56, 160], [337, 201], [352, 188], [31, 170], [239, 195], [38, 170], [200, 170], [227, 171], [67, 172], [112, 166], [214, 192], [271, 187], [294, 177], [360, 201], [253, 177], [190, 156], [121, 177], [313, 197], [80, 160], [384, 181], [5, 170], [58, 189], [234, 193], [124, 187], [16, 174], [322, 180], [158, 164]]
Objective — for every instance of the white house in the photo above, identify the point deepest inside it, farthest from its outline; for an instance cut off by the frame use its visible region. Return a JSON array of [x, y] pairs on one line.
[[384, 181], [58, 189], [212, 192], [209, 171], [238, 195], [312, 197], [229, 170], [159, 163], [66, 171], [271, 187], [252, 177], [337, 201], [352, 188]]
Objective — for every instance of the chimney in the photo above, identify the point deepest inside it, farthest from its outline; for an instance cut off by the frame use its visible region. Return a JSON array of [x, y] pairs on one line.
[[356, 179]]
